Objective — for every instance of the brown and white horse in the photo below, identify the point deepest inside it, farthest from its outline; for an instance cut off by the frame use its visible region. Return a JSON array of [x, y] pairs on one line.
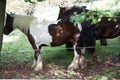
[[105, 29], [65, 11], [87, 36], [42, 32]]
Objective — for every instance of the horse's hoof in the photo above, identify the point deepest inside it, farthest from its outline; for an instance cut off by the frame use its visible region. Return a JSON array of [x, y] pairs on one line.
[[73, 67], [38, 68], [33, 66], [83, 66]]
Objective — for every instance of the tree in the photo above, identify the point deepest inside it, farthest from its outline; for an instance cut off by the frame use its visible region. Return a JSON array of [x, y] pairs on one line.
[[2, 16]]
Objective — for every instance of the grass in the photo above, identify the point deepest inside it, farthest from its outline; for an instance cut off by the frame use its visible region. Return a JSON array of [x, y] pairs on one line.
[[19, 51]]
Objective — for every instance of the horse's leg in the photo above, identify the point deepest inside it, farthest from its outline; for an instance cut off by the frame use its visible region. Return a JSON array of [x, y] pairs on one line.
[[74, 63], [69, 46], [94, 57], [103, 42], [37, 63], [38, 60], [82, 60], [93, 51], [35, 58]]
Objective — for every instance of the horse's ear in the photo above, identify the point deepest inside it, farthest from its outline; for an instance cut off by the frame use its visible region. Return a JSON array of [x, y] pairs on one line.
[[11, 13], [84, 7], [61, 7]]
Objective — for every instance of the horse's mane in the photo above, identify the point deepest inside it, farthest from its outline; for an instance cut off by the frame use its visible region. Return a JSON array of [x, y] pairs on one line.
[[65, 19], [73, 9]]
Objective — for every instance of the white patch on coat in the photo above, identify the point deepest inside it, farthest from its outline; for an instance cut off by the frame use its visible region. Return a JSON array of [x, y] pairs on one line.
[[83, 50], [82, 60], [22, 22], [79, 26], [34, 64], [74, 63], [117, 26], [39, 30]]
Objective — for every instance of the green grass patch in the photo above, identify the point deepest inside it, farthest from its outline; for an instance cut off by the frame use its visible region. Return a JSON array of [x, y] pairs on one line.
[[19, 51]]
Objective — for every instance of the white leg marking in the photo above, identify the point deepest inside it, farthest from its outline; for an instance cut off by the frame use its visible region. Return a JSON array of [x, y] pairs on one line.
[[34, 64], [74, 64], [83, 50], [82, 60], [39, 64], [79, 26]]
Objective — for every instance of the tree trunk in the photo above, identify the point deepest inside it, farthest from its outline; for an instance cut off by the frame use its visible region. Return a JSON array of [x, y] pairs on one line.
[[2, 16]]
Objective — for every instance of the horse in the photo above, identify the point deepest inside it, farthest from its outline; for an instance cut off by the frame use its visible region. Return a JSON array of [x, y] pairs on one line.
[[41, 32], [106, 28], [65, 11], [86, 39]]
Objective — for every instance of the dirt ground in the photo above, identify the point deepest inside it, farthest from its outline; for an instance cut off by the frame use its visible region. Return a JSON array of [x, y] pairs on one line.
[[52, 71]]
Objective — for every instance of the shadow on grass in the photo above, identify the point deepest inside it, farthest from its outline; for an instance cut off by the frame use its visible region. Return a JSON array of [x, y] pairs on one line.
[[16, 64]]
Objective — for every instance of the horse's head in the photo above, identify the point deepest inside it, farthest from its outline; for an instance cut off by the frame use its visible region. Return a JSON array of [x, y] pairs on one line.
[[9, 24], [66, 11]]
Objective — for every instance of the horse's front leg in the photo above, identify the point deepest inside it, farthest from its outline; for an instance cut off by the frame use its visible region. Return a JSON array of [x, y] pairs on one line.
[[74, 63], [79, 58], [103, 42], [37, 63]]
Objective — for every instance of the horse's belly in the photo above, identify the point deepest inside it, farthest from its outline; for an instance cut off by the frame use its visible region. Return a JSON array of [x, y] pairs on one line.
[[40, 34], [42, 38]]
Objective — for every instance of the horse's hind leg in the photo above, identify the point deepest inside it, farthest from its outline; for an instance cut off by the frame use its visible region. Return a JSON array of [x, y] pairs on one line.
[[103, 42], [38, 61], [82, 60]]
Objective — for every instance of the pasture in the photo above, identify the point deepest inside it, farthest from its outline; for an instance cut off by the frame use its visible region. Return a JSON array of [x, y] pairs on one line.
[[17, 56]]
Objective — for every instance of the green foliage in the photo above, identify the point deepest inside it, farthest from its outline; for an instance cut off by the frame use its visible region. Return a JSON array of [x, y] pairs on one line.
[[94, 16]]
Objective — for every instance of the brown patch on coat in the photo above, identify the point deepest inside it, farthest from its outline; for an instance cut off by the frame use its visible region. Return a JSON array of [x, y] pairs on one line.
[[62, 33]]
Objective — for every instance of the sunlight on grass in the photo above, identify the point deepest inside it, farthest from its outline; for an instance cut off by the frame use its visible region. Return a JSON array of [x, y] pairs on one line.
[[7, 39]]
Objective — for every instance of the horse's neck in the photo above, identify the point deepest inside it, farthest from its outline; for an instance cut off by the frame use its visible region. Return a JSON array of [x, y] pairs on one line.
[[22, 22]]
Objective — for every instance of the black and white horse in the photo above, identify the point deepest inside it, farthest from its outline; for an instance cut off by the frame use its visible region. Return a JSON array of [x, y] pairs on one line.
[[42, 32]]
